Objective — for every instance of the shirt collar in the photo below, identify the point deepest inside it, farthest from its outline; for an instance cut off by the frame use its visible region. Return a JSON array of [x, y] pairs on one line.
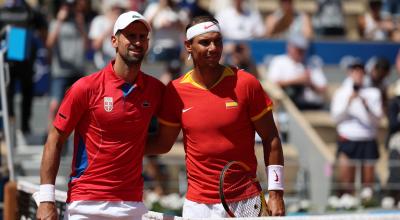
[[117, 81], [187, 78]]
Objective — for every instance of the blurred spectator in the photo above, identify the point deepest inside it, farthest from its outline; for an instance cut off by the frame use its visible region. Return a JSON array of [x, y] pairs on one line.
[[391, 10], [305, 85], [155, 175], [378, 70], [239, 21], [391, 13], [371, 26], [394, 145], [357, 111], [136, 5], [328, 20], [286, 21], [398, 62], [172, 71], [168, 24], [239, 55], [100, 31], [68, 43], [19, 13], [193, 8], [393, 141]]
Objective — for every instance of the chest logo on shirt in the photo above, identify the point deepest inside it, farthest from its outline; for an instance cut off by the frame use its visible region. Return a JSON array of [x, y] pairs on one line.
[[108, 104], [231, 104]]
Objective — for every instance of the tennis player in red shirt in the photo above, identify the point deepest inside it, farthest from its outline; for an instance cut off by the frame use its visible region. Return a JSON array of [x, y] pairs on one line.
[[110, 112], [219, 109]]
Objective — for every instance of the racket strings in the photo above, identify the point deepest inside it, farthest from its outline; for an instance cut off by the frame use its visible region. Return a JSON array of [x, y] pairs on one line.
[[240, 190], [246, 208]]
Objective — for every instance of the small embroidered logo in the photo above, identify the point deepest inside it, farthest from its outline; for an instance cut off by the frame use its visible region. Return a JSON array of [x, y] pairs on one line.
[[276, 176], [208, 26], [108, 104]]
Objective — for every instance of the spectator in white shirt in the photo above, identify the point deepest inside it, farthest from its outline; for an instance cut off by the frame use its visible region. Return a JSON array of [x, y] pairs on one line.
[[240, 22], [357, 111], [167, 21], [100, 31], [305, 85], [286, 21]]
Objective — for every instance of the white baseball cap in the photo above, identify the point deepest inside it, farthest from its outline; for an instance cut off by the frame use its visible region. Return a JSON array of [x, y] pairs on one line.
[[128, 17], [298, 41]]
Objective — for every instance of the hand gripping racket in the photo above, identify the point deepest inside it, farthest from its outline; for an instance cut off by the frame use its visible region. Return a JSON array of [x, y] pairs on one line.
[[236, 180]]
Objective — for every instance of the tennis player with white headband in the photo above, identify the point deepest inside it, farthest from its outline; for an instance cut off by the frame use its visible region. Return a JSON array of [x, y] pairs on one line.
[[219, 109]]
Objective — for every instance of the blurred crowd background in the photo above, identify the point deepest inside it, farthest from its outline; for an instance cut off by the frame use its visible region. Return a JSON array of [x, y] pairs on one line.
[[308, 48]]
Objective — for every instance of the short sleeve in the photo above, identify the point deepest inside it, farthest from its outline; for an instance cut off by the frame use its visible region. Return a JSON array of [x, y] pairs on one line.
[[171, 107], [73, 106], [259, 101]]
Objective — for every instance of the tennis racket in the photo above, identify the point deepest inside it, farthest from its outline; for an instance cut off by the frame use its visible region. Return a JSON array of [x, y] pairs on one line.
[[237, 181]]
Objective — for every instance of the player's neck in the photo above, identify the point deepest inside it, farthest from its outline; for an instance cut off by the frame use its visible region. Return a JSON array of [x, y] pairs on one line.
[[126, 72], [207, 76]]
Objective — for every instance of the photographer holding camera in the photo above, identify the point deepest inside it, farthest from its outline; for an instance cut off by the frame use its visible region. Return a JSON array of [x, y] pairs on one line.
[[68, 44], [357, 111]]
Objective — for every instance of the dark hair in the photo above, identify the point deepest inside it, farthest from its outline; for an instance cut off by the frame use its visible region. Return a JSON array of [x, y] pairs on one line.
[[201, 19], [375, 3], [382, 64]]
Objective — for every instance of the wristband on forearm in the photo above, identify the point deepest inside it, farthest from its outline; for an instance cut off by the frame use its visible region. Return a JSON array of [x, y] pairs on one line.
[[275, 177], [46, 193]]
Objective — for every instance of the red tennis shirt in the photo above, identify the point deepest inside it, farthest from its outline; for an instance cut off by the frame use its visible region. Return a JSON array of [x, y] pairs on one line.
[[217, 125], [110, 133]]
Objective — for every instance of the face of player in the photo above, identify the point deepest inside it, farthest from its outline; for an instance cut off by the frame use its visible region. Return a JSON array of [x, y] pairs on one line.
[[206, 49], [132, 43]]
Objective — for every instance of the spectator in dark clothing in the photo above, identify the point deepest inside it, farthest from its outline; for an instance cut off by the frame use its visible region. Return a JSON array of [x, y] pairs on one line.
[[378, 74], [393, 145], [239, 55], [18, 13], [194, 9]]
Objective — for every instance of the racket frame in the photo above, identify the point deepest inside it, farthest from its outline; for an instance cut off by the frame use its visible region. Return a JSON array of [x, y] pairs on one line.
[[264, 207]]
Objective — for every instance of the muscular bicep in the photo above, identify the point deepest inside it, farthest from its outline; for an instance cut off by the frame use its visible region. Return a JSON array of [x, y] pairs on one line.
[[272, 147], [265, 127], [51, 155]]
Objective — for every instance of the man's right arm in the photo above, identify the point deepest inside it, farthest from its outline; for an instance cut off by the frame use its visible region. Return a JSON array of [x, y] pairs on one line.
[[163, 140], [49, 169]]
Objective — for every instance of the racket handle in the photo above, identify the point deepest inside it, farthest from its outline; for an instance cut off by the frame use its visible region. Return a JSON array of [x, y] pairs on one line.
[[264, 206]]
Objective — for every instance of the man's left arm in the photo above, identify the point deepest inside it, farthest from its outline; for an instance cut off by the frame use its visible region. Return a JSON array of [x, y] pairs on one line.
[[273, 157]]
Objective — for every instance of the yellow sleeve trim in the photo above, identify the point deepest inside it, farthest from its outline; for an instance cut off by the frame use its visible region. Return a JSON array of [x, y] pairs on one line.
[[255, 118], [164, 122], [231, 104]]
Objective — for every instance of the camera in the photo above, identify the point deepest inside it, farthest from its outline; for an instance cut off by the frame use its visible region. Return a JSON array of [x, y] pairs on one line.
[[356, 87]]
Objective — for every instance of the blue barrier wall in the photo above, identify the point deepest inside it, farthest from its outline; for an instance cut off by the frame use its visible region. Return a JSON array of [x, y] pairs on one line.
[[331, 52]]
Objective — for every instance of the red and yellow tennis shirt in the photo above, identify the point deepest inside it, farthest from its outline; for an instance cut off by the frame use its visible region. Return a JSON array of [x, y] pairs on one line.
[[111, 120], [217, 124]]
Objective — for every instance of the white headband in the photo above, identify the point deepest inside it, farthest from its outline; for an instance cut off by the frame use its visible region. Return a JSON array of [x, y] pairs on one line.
[[202, 28]]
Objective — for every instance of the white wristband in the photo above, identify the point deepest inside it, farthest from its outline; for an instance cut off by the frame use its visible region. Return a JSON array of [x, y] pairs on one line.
[[275, 177], [47, 193]]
